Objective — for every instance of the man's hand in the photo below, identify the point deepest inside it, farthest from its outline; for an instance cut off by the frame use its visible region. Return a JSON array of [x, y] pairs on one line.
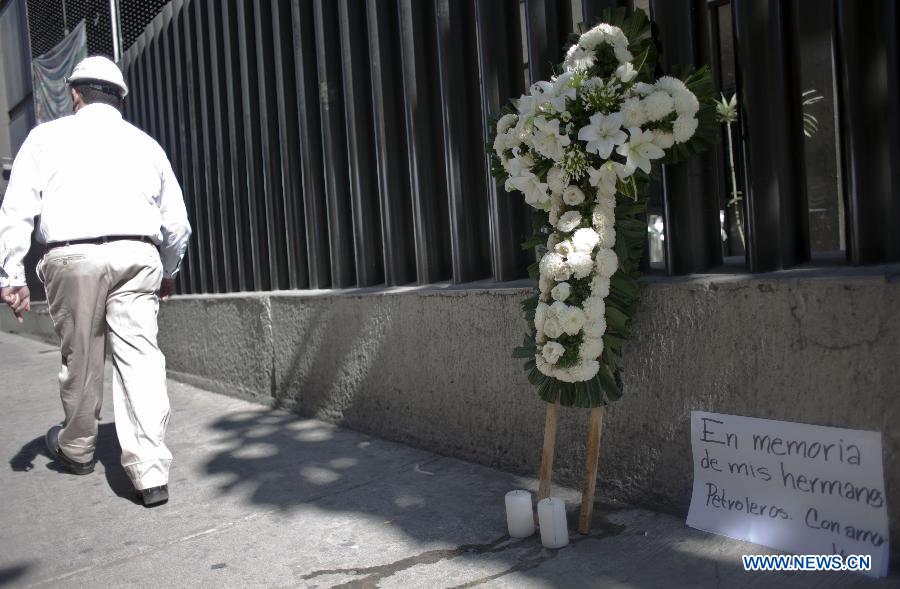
[[166, 288], [18, 298]]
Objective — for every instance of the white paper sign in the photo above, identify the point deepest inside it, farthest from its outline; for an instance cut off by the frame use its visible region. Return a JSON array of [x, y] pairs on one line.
[[800, 488]]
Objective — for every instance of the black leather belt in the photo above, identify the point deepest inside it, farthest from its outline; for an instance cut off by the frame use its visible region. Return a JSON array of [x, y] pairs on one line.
[[99, 240]]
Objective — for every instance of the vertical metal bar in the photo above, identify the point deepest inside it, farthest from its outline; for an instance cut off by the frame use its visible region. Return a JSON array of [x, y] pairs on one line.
[[331, 103], [196, 168], [866, 67], [247, 60], [500, 66], [152, 128], [270, 168], [192, 266], [208, 196], [396, 214], [771, 124], [158, 90], [592, 10], [690, 204], [360, 148], [289, 177], [235, 155], [547, 23], [221, 194], [464, 151], [423, 141], [312, 166]]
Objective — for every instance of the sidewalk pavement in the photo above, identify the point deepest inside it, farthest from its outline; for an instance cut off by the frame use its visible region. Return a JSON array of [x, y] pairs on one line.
[[264, 498]]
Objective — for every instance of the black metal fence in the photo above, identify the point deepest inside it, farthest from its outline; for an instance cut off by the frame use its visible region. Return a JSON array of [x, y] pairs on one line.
[[340, 143]]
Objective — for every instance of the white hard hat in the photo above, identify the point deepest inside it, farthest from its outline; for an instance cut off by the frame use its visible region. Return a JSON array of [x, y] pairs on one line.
[[99, 69]]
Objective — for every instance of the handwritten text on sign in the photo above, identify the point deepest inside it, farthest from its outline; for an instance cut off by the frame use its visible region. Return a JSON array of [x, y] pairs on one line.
[[799, 488]]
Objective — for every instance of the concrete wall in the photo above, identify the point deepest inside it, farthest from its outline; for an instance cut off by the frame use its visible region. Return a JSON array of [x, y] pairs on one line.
[[432, 368]]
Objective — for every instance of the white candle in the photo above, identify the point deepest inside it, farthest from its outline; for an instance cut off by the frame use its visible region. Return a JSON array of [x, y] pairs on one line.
[[552, 519], [519, 514]]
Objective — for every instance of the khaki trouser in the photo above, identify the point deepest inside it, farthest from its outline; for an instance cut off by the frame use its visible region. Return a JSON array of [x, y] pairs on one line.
[[95, 290]]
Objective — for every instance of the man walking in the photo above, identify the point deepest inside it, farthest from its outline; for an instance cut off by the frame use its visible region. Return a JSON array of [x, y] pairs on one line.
[[113, 218]]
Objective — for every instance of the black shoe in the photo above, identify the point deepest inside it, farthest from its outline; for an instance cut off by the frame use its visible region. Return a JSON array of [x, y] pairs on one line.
[[155, 495], [52, 440]]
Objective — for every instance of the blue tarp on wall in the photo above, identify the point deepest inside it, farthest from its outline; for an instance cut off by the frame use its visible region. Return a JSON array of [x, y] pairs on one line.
[[49, 72]]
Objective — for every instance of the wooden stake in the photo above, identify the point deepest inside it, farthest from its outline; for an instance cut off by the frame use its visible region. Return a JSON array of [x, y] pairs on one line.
[[549, 449], [590, 471]]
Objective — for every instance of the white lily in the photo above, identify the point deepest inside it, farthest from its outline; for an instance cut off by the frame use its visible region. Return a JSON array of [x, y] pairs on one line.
[[639, 150], [603, 133]]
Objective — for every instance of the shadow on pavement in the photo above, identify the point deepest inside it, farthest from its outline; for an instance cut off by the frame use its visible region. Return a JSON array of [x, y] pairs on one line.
[[108, 454], [10, 574]]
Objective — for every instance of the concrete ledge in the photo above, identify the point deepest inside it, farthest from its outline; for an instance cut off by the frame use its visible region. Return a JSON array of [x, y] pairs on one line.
[[431, 367]]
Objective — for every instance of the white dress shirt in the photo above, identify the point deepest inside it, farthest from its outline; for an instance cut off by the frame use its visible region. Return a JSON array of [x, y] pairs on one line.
[[89, 175]]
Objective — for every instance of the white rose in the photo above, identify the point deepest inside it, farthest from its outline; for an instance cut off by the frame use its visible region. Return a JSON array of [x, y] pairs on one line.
[[540, 315], [552, 351], [557, 310], [591, 348], [585, 239], [556, 180], [581, 264], [561, 291], [564, 248], [684, 128], [658, 105], [626, 72], [552, 327], [569, 221], [600, 286], [545, 284], [607, 262], [573, 320], [573, 195]]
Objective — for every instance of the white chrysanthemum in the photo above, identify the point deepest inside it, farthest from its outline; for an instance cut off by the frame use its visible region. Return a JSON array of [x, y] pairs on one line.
[[569, 221], [545, 283], [622, 54], [595, 327], [552, 327], [573, 195], [540, 315], [564, 248], [602, 216], [686, 103], [506, 122], [572, 320], [591, 348], [684, 128], [633, 111], [554, 266], [556, 205], [580, 263], [640, 149], [563, 374], [670, 84], [658, 105], [539, 337], [592, 38], [607, 262], [643, 88], [663, 140], [584, 370], [626, 72], [561, 291], [600, 286], [607, 203], [594, 307], [556, 180], [552, 351], [579, 58], [557, 310], [607, 236], [585, 239]]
